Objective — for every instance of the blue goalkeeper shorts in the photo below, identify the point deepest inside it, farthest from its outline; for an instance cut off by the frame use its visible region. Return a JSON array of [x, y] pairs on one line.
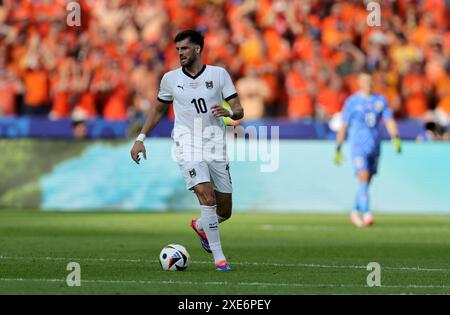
[[365, 162]]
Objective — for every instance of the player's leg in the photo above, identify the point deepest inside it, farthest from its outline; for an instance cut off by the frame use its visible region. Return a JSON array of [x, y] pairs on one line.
[[221, 180], [224, 205], [205, 195], [195, 173], [224, 208], [221, 183], [361, 199], [372, 170], [210, 222], [362, 195]]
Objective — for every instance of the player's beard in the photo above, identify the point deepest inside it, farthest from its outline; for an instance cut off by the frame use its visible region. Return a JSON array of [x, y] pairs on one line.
[[189, 62]]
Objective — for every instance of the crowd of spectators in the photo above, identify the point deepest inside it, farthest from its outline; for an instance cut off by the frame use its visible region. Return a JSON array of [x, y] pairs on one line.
[[289, 59]]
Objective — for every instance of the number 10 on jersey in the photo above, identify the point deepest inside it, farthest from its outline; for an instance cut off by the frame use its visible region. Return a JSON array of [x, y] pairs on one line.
[[200, 105]]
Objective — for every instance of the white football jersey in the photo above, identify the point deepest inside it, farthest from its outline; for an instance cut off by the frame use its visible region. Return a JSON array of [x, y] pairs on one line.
[[193, 96]]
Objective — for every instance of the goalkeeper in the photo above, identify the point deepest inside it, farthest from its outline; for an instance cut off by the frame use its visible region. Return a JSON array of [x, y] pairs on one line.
[[362, 116]]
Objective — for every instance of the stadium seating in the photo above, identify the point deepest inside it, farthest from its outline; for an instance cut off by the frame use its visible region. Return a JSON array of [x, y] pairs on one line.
[[303, 54]]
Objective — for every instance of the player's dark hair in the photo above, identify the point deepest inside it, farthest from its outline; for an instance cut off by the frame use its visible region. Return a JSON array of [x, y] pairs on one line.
[[76, 123], [193, 36], [366, 70], [431, 125], [435, 128]]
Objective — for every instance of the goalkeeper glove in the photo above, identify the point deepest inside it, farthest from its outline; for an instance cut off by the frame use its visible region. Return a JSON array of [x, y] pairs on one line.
[[396, 142], [338, 157]]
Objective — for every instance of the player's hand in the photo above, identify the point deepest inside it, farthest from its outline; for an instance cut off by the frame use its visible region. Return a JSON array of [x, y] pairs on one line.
[[219, 111], [397, 143], [338, 158], [138, 147]]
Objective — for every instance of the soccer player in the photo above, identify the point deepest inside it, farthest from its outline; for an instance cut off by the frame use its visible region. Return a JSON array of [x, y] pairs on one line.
[[196, 90], [362, 115]]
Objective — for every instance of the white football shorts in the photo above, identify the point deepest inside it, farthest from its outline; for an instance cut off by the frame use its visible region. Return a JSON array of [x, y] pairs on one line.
[[194, 172]]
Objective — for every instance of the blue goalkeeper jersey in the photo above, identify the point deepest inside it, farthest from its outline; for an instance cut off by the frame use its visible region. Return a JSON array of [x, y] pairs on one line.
[[364, 115]]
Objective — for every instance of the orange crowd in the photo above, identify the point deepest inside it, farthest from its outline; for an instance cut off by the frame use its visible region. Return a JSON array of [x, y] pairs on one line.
[[289, 59]]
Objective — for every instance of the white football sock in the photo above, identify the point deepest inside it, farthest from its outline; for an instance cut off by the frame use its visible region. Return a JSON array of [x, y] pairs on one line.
[[200, 224], [211, 227]]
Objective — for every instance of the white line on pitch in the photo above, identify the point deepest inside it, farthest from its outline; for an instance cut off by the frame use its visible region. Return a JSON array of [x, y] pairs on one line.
[[235, 263], [293, 228], [305, 285]]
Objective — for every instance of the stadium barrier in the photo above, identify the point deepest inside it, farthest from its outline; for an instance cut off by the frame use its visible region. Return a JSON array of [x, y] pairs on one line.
[[91, 175], [33, 127]]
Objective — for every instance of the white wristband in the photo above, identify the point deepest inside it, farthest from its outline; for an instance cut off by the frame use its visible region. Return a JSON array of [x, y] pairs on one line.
[[141, 137], [231, 112]]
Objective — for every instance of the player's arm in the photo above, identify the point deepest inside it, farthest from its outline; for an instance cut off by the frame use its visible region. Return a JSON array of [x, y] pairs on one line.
[[392, 129], [342, 132], [340, 138], [230, 95], [236, 108], [236, 112], [154, 115]]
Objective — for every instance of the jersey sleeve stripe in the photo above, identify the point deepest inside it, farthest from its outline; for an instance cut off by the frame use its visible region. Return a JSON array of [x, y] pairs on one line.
[[164, 101], [231, 97]]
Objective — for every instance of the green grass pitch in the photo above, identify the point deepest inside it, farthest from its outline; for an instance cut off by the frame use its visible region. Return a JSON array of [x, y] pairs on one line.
[[269, 253]]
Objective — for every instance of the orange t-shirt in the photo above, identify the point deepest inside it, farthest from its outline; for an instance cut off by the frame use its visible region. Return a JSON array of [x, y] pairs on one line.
[[116, 105], [303, 48], [351, 83], [23, 10], [300, 102], [36, 88], [437, 9], [331, 100], [60, 106], [182, 15], [87, 103], [416, 103], [331, 35], [421, 34], [444, 104], [7, 98], [251, 50], [277, 49]]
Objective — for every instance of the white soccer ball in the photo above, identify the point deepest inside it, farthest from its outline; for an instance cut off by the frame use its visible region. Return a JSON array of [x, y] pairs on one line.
[[174, 257]]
